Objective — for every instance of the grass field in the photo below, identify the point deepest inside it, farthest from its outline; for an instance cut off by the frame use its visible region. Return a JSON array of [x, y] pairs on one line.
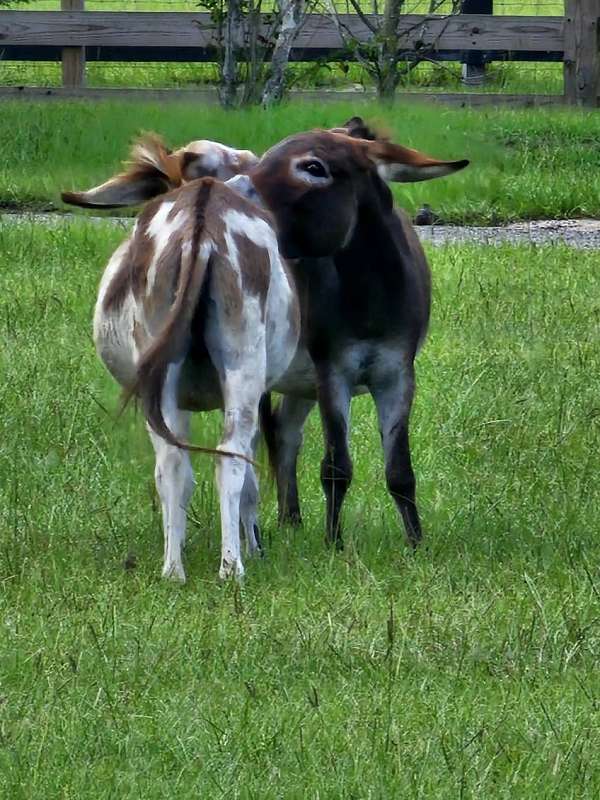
[[525, 164], [469, 670], [509, 77]]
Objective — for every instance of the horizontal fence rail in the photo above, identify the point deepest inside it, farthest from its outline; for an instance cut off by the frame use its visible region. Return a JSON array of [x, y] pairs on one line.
[[209, 96], [78, 36], [163, 31]]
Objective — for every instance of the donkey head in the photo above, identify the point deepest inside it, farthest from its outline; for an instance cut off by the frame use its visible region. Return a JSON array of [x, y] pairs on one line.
[[153, 169], [315, 183]]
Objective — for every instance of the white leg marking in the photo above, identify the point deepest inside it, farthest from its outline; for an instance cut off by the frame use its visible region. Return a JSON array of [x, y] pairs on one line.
[[238, 352], [174, 477], [243, 384], [241, 424]]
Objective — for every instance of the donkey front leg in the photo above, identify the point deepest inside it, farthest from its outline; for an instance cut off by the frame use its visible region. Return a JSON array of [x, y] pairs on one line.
[[290, 418], [174, 478], [336, 466], [394, 400]]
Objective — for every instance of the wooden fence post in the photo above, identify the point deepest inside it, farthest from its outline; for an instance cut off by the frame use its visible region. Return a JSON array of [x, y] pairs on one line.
[[473, 65], [73, 58], [582, 58]]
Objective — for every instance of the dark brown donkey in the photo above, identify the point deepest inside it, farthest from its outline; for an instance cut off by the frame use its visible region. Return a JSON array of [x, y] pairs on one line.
[[364, 288]]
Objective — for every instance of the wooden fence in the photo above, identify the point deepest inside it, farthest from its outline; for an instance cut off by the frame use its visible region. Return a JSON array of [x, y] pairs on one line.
[[74, 36]]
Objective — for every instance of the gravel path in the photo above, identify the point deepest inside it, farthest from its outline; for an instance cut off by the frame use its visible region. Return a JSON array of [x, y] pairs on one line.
[[580, 233]]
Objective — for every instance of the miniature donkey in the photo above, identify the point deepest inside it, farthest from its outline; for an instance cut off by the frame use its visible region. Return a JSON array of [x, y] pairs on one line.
[[362, 316], [364, 289], [196, 310]]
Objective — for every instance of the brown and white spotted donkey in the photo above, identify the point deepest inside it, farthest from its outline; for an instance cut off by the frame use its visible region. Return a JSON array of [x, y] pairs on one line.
[[196, 311]]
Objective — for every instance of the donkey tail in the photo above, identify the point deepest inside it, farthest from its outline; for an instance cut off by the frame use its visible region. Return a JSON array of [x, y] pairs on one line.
[[171, 343]]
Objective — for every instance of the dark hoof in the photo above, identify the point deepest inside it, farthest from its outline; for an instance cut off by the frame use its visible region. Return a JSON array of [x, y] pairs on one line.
[[291, 518], [335, 541], [260, 551], [130, 562], [414, 539], [257, 536]]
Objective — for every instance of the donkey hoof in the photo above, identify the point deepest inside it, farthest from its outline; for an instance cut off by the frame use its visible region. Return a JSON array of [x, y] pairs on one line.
[[231, 569], [174, 571], [293, 518], [336, 542], [254, 543]]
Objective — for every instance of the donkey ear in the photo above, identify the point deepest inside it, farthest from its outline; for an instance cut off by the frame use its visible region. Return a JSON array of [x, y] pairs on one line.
[[356, 128], [128, 189], [152, 171], [397, 163]]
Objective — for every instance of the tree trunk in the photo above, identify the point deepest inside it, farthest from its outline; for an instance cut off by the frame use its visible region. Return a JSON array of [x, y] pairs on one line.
[[254, 54], [292, 16], [388, 51], [231, 45]]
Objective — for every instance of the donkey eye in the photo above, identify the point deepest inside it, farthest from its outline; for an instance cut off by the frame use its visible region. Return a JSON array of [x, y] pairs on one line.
[[314, 168]]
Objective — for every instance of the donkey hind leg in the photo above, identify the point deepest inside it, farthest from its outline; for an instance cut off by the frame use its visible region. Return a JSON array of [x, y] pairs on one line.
[[242, 394], [174, 478], [249, 508], [336, 466], [394, 400], [291, 416]]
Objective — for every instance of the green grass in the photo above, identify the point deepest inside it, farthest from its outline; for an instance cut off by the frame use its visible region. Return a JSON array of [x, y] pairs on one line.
[[468, 670], [525, 164], [509, 77]]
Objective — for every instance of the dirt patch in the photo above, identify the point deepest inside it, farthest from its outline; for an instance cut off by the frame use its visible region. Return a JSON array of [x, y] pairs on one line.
[[27, 207], [579, 233]]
